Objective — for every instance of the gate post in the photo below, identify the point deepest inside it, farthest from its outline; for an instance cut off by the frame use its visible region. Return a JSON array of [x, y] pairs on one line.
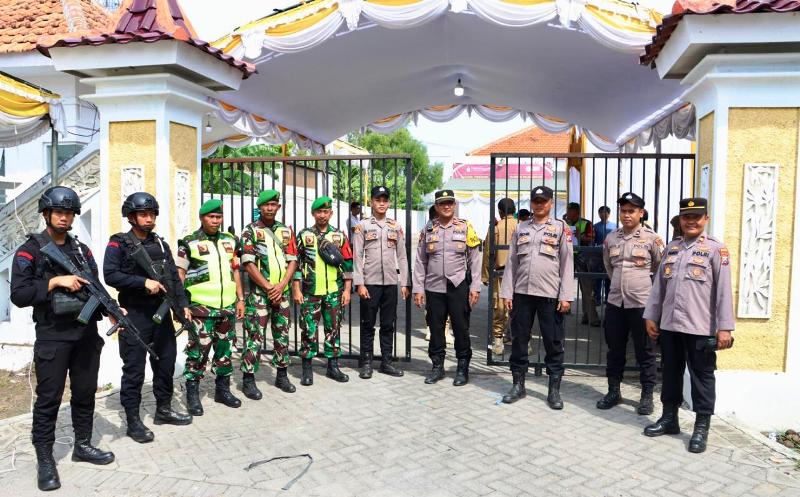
[[150, 133], [492, 254]]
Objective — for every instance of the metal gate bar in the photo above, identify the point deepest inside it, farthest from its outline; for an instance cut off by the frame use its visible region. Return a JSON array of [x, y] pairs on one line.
[[241, 179]]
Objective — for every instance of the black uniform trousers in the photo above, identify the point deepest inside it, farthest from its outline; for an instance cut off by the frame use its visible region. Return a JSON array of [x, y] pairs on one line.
[[551, 323], [453, 303], [134, 358], [382, 298], [620, 323], [54, 359], [679, 350]]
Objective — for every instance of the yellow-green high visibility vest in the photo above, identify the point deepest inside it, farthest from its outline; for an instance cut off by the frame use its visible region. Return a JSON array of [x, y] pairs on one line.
[[273, 252], [325, 276], [216, 288]]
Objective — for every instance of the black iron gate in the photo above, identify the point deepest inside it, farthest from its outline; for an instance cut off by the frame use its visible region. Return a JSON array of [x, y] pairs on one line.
[[660, 179], [345, 178]]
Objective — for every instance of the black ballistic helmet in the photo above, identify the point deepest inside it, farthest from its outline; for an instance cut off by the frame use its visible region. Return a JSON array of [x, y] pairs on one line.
[[139, 201], [60, 197]]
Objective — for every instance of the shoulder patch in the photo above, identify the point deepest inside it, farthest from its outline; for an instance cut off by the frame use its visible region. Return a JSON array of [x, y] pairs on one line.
[[724, 255], [357, 229]]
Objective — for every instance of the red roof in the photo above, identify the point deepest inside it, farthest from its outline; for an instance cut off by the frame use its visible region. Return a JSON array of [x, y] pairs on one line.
[[684, 7], [146, 21], [531, 140], [22, 22]]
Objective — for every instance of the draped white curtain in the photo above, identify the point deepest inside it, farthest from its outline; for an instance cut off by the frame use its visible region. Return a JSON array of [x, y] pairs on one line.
[[615, 25], [257, 127]]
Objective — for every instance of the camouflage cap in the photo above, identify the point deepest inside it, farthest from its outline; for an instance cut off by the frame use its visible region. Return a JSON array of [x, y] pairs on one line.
[[321, 203], [209, 206], [266, 196]]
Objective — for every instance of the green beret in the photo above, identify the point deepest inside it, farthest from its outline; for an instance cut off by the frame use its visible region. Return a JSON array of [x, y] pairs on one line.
[[321, 203], [266, 196], [209, 206]]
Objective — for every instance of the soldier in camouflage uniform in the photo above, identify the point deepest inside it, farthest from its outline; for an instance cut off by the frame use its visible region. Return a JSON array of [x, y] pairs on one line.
[[269, 255], [321, 290], [209, 268]]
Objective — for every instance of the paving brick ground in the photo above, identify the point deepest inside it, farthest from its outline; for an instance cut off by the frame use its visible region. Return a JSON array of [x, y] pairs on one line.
[[399, 437]]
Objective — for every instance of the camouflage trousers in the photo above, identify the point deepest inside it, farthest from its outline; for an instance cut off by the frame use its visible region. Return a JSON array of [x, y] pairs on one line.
[[217, 331], [329, 307], [259, 312]]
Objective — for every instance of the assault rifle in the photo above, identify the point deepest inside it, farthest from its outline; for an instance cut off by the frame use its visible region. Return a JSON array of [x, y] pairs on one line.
[[98, 295], [156, 272]]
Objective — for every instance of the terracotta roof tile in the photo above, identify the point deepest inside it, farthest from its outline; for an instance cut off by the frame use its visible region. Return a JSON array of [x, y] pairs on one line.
[[22, 22], [145, 21], [670, 23], [531, 140]]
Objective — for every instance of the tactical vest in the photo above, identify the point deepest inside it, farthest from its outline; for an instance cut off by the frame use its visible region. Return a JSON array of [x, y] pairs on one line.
[[64, 306], [326, 278], [272, 252], [209, 279]]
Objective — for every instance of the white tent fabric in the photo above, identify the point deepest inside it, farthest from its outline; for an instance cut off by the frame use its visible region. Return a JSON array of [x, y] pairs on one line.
[[360, 77], [616, 24], [253, 126]]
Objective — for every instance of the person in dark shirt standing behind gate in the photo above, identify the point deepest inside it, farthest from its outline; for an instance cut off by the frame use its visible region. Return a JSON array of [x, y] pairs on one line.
[[539, 281], [583, 235], [446, 282], [142, 296], [690, 313], [63, 344], [601, 230], [631, 255]]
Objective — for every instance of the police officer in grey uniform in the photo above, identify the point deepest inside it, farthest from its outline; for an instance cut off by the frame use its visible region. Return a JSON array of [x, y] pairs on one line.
[[379, 250], [539, 281], [447, 281], [690, 313], [631, 254]]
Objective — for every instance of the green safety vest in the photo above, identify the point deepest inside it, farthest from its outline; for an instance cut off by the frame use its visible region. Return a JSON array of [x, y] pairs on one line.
[[325, 277], [270, 250], [210, 277]]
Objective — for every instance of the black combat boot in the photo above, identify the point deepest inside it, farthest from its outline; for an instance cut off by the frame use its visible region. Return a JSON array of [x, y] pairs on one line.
[[613, 397], [136, 429], [86, 452], [388, 368], [222, 392], [282, 381], [308, 373], [366, 366], [667, 424], [462, 373], [249, 388], [46, 472], [437, 372], [517, 389], [554, 392], [193, 404], [334, 372], [697, 443], [165, 415], [646, 401]]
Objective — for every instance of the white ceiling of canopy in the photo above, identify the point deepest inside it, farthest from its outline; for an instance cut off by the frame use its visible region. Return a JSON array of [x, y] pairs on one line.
[[359, 77]]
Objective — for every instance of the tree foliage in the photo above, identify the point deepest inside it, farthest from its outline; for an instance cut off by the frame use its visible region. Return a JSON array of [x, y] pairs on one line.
[[425, 177], [232, 178]]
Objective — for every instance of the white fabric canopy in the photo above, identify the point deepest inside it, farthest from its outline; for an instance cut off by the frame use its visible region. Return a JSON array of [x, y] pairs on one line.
[[619, 25], [360, 77], [252, 126]]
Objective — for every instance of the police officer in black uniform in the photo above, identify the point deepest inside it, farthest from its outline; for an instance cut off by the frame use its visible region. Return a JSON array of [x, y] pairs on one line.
[[63, 345], [141, 296]]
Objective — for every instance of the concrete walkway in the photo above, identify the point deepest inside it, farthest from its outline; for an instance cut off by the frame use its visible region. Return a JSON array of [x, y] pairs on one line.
[[399, 437]]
